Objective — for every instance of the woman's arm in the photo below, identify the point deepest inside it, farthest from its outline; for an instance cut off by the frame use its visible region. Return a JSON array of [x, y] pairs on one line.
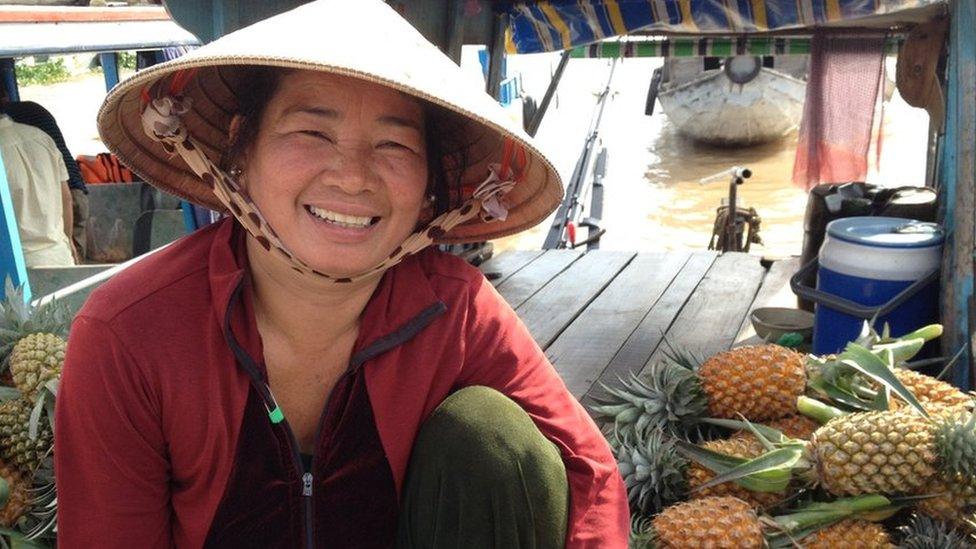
[[110, 456], [500, 353]]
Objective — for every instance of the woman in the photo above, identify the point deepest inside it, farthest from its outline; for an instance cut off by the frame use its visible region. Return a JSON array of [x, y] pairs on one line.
[[305, 373]]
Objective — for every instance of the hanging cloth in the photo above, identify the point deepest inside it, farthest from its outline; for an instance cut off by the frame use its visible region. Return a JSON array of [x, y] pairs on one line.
[[838, 115]]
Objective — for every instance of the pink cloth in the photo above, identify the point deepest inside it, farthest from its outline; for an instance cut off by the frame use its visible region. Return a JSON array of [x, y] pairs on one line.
[[838, 115]]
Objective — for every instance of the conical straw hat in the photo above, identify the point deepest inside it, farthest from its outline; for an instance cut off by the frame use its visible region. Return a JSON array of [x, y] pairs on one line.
[[362, 39]]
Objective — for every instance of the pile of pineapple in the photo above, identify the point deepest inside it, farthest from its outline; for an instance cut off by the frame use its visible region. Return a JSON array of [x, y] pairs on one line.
[[762, 446], [32, 346]]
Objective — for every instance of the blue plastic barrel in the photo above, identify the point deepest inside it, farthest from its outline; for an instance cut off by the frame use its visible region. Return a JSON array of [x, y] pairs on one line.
[[870, 260]]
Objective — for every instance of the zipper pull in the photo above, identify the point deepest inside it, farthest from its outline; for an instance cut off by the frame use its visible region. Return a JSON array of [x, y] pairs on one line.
[[307, 484]]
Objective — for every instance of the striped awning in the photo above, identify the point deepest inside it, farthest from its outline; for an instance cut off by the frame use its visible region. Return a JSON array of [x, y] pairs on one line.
[[552, 25]]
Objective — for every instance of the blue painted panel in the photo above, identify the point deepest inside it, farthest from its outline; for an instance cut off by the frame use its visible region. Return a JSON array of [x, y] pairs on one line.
[[11, 254], [110, 68], [960, 141]]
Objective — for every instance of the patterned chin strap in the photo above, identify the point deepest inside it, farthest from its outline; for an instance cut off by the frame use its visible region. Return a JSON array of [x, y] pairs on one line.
[[162, 122]]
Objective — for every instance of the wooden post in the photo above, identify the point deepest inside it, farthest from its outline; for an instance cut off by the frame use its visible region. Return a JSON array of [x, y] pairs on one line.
[[958, 178]]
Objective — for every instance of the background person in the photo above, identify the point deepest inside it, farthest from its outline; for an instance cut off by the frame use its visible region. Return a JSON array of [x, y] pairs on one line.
[[38, 182], [33, 114]]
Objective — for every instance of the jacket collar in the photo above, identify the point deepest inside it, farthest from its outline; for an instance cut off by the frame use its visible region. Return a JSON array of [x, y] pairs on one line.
[[402, 305]]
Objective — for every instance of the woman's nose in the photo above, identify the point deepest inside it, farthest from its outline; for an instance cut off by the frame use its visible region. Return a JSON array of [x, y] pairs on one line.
[[353, 171]]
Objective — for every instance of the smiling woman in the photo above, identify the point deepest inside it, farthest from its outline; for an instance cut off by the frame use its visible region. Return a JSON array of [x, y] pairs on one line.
[[309, 371]]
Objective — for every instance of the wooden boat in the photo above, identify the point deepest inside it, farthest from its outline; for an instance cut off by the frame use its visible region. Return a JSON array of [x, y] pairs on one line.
[[737, 101]]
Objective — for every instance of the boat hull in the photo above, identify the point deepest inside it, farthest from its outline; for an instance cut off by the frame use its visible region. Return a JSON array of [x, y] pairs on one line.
[[712, 109]]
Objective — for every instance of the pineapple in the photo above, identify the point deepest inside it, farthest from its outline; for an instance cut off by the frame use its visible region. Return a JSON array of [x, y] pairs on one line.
[[728, 522], [759, 382], [743, 447], [31, 340], [925, 533], [656, 475], [17, 495], [850, 534], [719, 522], [874, 452], [954, 500], [17, 447], [878, 453], [35, 360], [930, 390]]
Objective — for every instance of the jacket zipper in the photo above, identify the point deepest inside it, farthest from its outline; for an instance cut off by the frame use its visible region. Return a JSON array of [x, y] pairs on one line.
[[307, 478]]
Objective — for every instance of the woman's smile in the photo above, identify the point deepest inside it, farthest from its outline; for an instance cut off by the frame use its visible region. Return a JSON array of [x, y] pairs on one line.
[[342, 228]]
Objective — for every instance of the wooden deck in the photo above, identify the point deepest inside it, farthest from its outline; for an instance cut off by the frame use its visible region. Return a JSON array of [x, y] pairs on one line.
[[601, 314]]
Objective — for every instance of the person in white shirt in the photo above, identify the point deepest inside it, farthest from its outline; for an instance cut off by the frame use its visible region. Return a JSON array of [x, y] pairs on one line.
[[38, 181]]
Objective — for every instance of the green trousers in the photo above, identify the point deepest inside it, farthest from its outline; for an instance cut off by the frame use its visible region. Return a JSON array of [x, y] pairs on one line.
[[481, 475]]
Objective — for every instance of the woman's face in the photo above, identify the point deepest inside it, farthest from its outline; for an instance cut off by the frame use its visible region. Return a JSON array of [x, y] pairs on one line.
[[339, 168]]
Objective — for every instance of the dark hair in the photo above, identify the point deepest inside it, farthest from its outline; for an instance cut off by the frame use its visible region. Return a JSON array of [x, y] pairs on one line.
[[257, 86]]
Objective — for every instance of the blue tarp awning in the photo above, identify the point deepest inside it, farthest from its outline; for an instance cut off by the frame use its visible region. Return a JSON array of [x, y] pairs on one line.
[[553, 25]]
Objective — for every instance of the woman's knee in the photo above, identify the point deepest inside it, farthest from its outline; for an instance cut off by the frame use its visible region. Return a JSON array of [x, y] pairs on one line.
[[478, 429]]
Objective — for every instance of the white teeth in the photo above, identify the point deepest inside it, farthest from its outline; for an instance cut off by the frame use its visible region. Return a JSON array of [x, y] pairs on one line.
[[341, 219]]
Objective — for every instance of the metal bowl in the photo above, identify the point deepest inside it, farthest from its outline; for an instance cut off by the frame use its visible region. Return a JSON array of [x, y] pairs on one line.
[[771, 323]]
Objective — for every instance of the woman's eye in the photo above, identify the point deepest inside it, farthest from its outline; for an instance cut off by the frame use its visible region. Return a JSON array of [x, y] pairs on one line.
[[316, 134], [394, 145]]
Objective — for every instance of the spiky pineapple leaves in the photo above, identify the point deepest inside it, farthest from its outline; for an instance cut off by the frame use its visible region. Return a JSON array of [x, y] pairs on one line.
[[927, 533], [770, 472], [842, 380], [14, 539], [652, 470], [815, 515], [666, 397], [881, 371]]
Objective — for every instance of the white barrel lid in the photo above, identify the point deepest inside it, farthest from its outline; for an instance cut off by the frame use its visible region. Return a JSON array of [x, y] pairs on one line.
[[886, 232]]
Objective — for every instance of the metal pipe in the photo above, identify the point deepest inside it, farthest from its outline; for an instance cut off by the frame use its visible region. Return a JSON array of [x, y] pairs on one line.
[[455, 31], [533, 125], [496, 55]]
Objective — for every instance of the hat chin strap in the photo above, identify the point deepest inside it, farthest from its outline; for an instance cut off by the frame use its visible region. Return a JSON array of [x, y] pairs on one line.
[[162, 122]]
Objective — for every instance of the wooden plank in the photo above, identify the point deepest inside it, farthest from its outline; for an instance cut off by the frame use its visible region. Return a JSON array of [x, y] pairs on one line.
[[530, 279], [508, 263], [555, 306], [710, 320], [646, 338], [958, 192], [583, 350], [774, 292]]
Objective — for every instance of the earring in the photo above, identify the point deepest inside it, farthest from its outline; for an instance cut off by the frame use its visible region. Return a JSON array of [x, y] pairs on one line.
[[236, 172], [431, 198]]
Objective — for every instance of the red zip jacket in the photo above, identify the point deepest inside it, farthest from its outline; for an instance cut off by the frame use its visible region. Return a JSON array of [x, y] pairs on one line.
[[163, 436]]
